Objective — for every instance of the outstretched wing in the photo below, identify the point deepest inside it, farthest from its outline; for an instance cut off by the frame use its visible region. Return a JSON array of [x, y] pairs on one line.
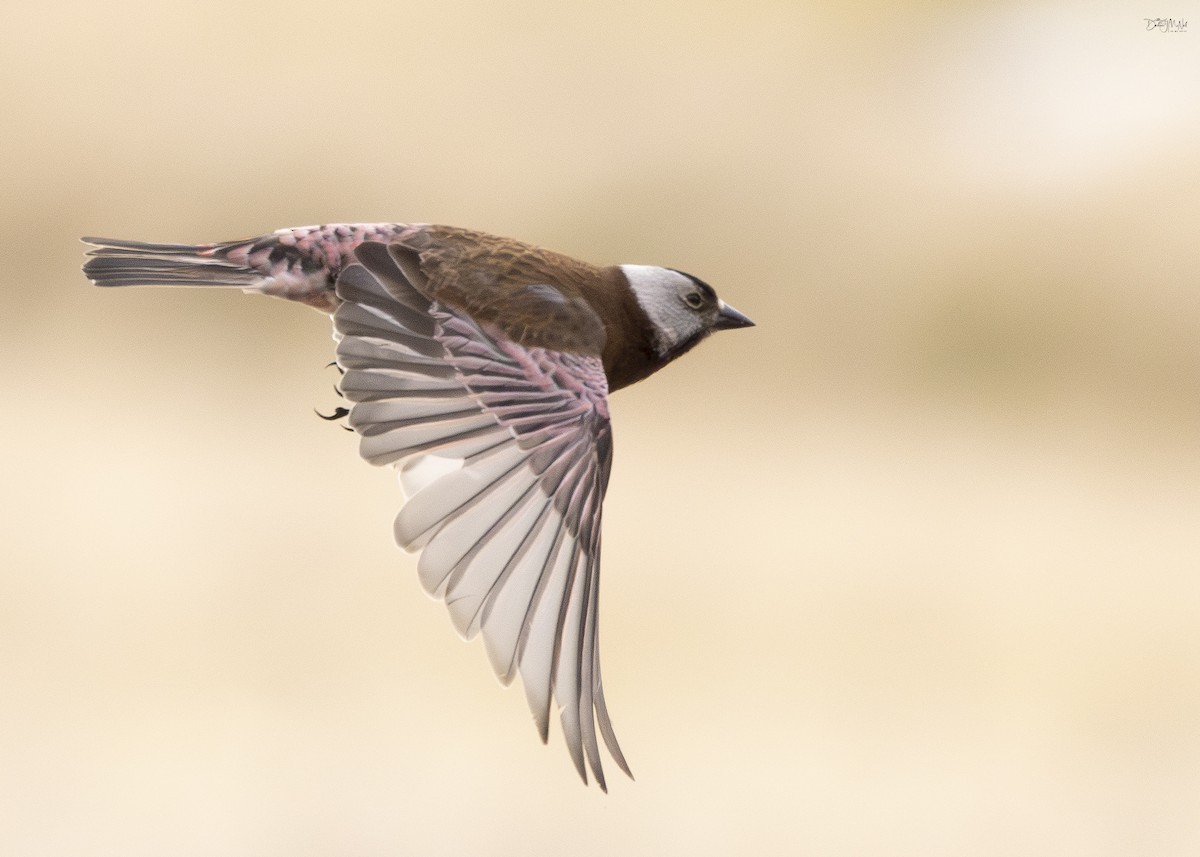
[[504, 451]]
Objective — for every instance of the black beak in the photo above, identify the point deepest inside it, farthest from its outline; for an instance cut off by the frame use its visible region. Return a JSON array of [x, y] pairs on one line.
[[729, 318]]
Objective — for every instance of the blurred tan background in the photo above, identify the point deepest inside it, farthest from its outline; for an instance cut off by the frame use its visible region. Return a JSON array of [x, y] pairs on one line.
[[912, 568]]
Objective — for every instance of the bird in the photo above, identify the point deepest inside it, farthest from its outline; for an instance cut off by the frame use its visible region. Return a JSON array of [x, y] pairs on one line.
[[480, 368]]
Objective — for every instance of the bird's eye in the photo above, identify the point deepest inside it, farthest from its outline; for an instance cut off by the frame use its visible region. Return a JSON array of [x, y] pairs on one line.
[[694, 300]]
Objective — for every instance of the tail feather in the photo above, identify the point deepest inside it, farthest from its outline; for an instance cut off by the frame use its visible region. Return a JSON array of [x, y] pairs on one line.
[[114, 262], [299, 264], [104, 245]]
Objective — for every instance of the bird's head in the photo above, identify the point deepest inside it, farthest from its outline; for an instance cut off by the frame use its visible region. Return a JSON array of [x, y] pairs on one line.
[[682, 309]]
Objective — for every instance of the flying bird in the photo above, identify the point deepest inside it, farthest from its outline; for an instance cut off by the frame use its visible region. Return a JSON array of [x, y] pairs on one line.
[[480, 367]]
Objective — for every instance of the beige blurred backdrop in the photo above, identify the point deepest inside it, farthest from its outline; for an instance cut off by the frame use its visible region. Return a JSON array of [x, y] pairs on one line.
[[911, 568]]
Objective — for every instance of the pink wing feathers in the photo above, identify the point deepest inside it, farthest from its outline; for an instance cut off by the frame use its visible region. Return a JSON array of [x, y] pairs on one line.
[[505, 451]]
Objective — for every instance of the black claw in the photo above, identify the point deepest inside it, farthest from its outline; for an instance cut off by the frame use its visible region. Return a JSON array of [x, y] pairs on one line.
[[340, 371], [339, 412]]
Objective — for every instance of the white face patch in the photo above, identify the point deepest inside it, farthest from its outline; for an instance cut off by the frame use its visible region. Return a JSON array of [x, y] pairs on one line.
[[660, 293]]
